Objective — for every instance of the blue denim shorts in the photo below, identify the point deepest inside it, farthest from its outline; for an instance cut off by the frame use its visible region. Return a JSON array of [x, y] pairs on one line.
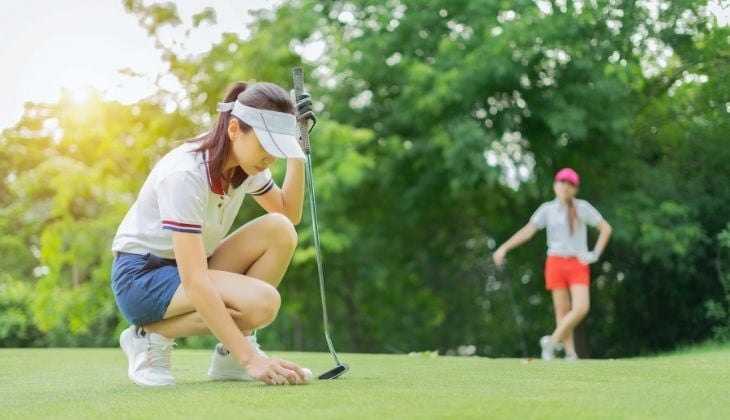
[[143, 286]]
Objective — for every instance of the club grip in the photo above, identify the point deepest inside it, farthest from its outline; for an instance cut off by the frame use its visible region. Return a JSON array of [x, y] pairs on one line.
[[298, 76]]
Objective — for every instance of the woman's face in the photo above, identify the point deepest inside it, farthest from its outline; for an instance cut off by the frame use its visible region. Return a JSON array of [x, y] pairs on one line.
[[247, 151], [564, 190]]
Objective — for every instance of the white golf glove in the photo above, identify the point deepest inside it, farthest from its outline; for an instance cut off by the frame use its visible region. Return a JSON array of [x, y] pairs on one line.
[[303, 104], [589, 257]]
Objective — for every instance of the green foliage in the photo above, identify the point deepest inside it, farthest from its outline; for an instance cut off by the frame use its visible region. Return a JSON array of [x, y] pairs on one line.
[[79, 168], [441, 126], [16, 321], [719, 310], [153, 16], [207, 15], [470, 102]]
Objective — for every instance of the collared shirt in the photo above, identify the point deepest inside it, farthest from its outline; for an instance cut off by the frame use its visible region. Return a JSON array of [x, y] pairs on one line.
[[180, 195], [554, 216]]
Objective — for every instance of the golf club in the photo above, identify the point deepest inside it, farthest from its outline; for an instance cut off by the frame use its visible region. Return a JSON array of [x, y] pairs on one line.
[[515, 311], [341, 368]]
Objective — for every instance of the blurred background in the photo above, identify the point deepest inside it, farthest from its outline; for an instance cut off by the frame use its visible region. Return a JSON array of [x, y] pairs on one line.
[[441, 126]]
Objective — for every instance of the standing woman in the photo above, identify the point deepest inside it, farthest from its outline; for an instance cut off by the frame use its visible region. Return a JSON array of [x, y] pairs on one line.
[[177, 274], [567, 274]]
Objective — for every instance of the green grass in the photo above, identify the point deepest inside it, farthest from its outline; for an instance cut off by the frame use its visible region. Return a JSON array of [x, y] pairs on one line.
[[92, 383]]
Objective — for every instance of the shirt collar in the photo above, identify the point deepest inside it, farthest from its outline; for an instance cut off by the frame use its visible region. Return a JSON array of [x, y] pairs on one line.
[[216, 185]]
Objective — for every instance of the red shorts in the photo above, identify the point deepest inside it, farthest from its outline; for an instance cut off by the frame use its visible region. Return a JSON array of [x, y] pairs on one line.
[[563, 272]]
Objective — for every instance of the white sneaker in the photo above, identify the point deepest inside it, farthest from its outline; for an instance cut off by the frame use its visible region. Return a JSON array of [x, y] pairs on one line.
[[148, 357], [571, 357], [224, 367], [548, 348]]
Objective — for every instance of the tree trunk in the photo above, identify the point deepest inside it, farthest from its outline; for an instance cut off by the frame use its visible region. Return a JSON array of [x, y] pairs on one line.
[[580, 337]]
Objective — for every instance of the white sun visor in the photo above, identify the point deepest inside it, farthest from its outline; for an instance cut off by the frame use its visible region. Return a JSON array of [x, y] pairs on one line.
[[276, 131]]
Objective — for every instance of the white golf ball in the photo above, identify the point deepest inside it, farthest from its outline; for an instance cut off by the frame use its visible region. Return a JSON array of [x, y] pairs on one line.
[[307, 375]]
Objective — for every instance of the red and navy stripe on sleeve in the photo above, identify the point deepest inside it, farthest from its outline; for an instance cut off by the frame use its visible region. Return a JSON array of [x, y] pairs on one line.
[[263, 190], [181, 227]]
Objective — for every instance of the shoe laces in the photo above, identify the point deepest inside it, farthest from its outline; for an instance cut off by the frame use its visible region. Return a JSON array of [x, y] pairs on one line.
[[158, 354], [254, 342]]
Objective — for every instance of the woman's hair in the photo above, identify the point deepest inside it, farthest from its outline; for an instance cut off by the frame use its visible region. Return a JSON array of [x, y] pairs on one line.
[[572, 215], [216, 141]]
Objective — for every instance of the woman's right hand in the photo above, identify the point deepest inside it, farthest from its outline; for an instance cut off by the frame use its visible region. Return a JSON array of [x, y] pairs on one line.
[[499, 256], [273, 371]]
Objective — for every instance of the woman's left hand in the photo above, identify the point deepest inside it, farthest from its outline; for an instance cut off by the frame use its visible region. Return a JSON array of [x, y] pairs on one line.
[[590, 257], [304, 108]]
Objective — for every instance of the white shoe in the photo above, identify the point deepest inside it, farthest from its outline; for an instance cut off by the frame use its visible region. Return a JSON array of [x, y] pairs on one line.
[[571, 357], [148, 357], [224, 367], [548, 348]]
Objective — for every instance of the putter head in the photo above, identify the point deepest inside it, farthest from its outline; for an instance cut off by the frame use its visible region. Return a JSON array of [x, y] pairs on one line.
[[335, 372]]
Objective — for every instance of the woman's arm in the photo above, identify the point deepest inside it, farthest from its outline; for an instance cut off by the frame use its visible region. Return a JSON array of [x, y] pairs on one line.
[[289, 199], [193, 267], [605, 231], [523, 235]]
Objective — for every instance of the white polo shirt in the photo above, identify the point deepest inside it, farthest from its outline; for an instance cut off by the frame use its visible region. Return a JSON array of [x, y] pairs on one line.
[[180, 195], [554, 216]]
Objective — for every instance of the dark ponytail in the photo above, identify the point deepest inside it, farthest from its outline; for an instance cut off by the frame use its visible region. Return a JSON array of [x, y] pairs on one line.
[[235, 90], [258, 95], [572, 216]]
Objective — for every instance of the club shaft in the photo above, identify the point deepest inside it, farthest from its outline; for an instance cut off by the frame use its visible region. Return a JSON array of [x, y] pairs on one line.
[[515, 313], [298, 77], [320, 271]]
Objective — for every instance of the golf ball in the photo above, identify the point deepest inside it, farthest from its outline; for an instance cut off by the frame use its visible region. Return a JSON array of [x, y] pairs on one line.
[[307, 375]]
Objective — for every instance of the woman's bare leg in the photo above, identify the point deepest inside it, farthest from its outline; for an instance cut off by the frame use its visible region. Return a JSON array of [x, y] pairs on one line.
[[580, 304], [561, 302], [261, 249], [245, 269], [252, 304]]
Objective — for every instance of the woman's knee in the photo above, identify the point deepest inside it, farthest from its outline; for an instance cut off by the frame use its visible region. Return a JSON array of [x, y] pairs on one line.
[[260, 310], [270, 302], [582, 308], [282, 229]]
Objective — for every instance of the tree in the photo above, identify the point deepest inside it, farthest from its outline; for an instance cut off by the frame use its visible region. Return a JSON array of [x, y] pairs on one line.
[[441, 126]]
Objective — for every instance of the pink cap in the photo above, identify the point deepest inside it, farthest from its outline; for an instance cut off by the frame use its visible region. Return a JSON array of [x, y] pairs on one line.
[[569, 175]]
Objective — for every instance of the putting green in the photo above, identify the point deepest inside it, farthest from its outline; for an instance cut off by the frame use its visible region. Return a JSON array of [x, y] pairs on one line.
[[92, 383]]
